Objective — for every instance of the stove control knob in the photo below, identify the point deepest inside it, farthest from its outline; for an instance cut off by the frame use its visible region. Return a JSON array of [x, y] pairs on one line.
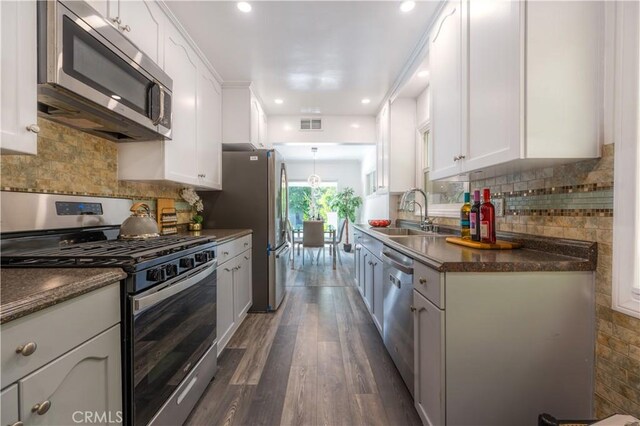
[[187, 262], [155, 274], [201, 257], [171, 270]]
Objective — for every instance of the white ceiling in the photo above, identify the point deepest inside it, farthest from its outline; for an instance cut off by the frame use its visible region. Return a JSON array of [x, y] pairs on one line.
[[326, 151], [318, 56]]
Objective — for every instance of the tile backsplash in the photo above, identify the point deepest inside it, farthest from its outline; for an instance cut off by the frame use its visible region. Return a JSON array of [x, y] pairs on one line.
[[73, 162]]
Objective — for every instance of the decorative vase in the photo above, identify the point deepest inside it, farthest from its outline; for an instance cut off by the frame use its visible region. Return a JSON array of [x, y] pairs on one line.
[[347, 247], [195, 226]]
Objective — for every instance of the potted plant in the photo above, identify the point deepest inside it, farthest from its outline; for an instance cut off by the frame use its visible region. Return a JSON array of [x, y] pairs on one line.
[[194, 200], [345, 203]]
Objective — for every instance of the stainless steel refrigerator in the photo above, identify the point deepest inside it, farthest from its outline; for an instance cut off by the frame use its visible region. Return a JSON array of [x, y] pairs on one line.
[[254, 195]]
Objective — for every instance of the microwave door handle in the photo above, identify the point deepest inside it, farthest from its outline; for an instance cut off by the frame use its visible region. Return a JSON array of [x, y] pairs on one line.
[[142, 303], [161, 117]]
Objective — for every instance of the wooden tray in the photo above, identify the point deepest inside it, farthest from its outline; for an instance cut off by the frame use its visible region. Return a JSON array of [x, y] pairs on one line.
[[499, 245]]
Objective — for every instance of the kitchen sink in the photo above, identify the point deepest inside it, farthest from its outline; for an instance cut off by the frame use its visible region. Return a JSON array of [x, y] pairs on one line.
[[403, 232]]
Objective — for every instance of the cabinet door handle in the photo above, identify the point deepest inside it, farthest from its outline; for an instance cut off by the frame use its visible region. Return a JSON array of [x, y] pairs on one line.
[[422, 281], [228, 270], [412, 308], [226, 253], [246, 258], [34, 128], [41, 408], [18, 423], [117, 20], [246, 244], [126, 28], [239, 267], [461, 157], [26, 349]]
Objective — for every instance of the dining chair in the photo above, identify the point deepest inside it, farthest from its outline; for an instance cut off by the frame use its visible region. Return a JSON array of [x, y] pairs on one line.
[[335, 243], [312, 237]]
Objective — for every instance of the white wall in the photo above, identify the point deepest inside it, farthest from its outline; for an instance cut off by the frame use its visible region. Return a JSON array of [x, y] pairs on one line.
[[336, 129]]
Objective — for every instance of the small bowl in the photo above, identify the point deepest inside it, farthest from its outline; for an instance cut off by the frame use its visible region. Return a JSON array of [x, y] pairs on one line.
[[379, 223]]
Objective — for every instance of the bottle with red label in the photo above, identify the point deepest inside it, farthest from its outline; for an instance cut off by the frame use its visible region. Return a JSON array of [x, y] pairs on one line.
[[474, 216], [487, 219]]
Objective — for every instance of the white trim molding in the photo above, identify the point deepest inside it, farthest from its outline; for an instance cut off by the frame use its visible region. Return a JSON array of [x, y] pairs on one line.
[[626, 204]]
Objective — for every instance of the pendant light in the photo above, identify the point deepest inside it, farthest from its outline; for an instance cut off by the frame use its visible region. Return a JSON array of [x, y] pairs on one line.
[[313, 179]]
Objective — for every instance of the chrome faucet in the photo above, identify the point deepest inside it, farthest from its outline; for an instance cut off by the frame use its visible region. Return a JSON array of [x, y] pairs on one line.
[[426, 224]]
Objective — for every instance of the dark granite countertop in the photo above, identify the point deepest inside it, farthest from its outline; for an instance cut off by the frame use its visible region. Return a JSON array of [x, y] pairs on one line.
[[537, 254], [24, 291], [223, 235]]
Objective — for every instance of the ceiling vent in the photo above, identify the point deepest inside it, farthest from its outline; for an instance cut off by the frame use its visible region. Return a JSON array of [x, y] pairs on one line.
[[310, 124]]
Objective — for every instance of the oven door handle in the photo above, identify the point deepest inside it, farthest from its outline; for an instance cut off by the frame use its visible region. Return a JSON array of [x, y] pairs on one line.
[[154, 298]]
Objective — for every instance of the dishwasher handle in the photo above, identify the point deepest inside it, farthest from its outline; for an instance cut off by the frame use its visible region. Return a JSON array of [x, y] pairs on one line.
[[389, 260]]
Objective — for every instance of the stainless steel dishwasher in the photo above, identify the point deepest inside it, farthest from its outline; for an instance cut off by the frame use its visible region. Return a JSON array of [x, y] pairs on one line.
[[398, 315]]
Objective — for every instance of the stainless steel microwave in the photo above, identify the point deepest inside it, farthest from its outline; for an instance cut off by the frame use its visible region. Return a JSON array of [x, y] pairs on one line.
[[91, 77]]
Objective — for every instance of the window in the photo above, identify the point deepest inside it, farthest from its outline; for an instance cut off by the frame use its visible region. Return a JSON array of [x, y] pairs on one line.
[[305, 203], [445, 198], [626, 123]]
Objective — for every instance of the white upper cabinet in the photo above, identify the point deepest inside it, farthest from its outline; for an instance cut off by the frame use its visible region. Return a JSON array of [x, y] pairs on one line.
[[18, 80], [445, 57], [548, 77], [382, 149], [209, 130], [142, 22], [243, 118], [494, 83], [193, 155], [402, 141]]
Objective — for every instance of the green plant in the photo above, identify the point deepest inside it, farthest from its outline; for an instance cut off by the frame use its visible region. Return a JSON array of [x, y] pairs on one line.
[[197, 218], [345, 203]]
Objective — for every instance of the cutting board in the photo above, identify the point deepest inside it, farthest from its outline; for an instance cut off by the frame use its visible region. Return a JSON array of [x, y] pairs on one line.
[[499, 245]]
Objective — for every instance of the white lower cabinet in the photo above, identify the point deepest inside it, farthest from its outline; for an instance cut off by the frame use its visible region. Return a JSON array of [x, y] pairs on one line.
[[368, 281], [494, 337], [370, 284], [428, 338], [234, 293], [225, 304], [62, 365], [82, 386], [242, 286], [9, 406]]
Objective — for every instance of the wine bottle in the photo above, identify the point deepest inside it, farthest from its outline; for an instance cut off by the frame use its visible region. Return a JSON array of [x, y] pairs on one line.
[[465, 231], [487, 219], [474, 216]]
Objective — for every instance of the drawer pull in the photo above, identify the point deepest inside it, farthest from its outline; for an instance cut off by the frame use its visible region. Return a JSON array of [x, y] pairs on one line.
[[422, 281], [18, 423], [41, 408], [246, 258], [26, 349], [246, 244], [226, 253]]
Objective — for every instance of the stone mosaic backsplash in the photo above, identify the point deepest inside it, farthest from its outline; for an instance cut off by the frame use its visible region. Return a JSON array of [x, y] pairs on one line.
[[76, 163]]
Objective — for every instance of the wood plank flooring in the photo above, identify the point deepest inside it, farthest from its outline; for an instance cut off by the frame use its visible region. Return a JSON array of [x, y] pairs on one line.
[[319, 360]]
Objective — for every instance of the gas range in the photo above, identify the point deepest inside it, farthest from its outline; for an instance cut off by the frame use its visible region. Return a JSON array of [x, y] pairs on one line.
[[169, 306], [148, 262]]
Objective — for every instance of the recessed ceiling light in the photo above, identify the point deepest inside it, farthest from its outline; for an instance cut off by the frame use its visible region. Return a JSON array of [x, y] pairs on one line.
[[278, 101], [366, 101], [407, 6], [116, 97], [355, 125], [424, 73], [244, 6]]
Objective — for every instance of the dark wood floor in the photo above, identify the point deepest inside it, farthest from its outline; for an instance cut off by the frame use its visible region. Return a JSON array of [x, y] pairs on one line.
[[318, 360]]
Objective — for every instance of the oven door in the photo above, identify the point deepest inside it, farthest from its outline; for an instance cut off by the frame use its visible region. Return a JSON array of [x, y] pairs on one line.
[[171, 329], [89, 57]]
